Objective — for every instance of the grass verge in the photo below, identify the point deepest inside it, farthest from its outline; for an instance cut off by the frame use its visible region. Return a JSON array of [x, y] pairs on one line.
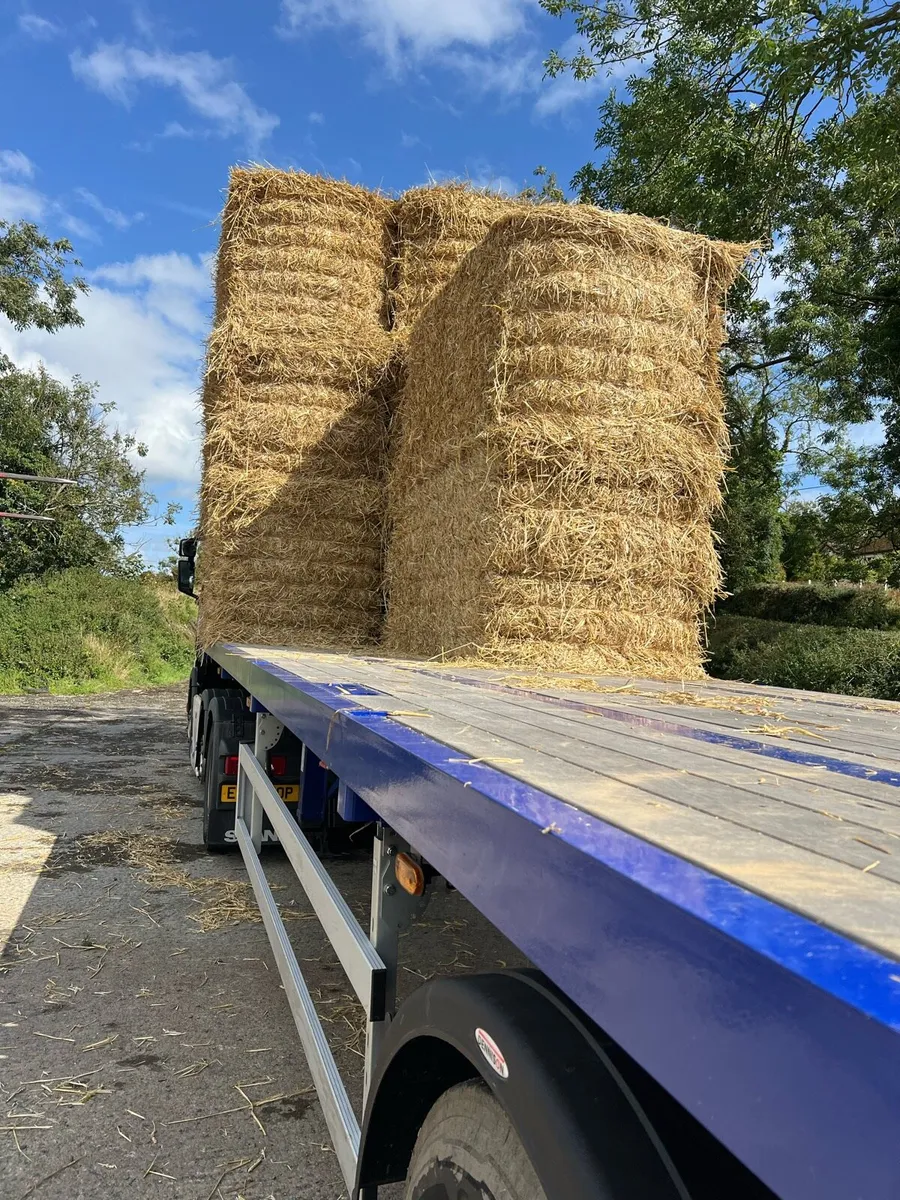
[[78, 631]]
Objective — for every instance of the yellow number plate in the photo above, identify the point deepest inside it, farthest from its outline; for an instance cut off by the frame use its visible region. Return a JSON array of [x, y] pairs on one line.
[[289, 792]]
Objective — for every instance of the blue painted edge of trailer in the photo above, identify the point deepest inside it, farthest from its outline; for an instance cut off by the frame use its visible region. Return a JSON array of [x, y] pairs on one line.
[[779, 1035], [854, 973]]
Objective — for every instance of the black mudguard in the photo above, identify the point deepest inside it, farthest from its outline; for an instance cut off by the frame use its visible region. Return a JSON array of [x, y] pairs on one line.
[[580, 1122]]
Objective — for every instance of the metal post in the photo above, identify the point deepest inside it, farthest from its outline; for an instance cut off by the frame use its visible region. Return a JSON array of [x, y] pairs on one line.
[[393, 910], [268, 731]]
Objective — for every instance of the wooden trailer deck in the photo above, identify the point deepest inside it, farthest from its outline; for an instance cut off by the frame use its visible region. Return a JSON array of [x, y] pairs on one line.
[[792, 795]]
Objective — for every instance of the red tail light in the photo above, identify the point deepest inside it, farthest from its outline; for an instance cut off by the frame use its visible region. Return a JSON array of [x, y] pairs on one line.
[[231, 764], [277, 764]]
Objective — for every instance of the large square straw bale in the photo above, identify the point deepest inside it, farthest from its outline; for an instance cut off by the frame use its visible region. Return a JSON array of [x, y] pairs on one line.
[[560, 448], [434, 229], [292, 492]]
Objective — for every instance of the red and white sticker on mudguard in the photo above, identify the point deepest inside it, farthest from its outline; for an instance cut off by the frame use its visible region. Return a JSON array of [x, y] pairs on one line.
[[492, 1053]]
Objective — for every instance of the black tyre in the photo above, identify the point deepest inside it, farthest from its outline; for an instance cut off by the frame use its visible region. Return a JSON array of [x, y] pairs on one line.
[[216, 824], [467, 1149], [193, 688], [225, 724]]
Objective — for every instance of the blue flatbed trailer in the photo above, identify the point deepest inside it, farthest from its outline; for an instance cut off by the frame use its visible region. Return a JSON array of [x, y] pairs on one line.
[[706, 877]]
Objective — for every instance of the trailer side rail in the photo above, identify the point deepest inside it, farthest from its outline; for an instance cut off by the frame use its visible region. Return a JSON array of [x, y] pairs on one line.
[[372, 978]]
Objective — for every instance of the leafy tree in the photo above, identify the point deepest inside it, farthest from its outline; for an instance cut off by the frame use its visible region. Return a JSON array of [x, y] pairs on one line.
[[47, 428], [548, 192], [803, 534], [749, 525], [773, 121], [34, 287]]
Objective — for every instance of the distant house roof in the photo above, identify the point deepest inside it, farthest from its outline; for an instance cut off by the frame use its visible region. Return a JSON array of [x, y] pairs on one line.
[[880, 545]]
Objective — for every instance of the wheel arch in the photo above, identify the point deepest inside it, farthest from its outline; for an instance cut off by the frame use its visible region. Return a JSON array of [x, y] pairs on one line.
[[579, 1121]]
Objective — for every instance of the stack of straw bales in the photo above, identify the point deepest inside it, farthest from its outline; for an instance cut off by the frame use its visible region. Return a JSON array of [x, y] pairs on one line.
[[561, 447], [292, 493]]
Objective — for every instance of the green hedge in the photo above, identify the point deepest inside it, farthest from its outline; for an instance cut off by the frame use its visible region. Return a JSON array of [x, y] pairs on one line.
[[816, 604], [855, 662], [79, 631]]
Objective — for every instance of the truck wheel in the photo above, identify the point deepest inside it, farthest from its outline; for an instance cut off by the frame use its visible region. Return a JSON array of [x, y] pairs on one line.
[[225, 724], [215, 823], [193, 689], [467, 1149]]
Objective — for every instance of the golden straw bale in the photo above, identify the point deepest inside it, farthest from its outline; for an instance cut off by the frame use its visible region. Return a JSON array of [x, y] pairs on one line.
[[234, 499], [560, 448], [468, 566], [435, 228], [321, 440], [599, 658], [335, 544], [295, 428]]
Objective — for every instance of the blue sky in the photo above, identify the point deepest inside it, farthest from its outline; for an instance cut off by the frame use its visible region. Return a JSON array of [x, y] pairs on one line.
[[122, 119]]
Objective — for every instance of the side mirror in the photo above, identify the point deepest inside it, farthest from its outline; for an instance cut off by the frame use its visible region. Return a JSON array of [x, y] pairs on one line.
[[187, 551]]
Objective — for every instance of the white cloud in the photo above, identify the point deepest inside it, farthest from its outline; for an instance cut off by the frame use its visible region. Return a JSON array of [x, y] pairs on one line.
[[556, 95], [869, 433], [37, 27], [478, 174], [205, 83], [14, 162], [510, 74], [398, 27], [77, 227], [23, 202], [316, 118], [517, 70], [112, 216], [142, 341], [19, 201], [408, 140], [562, 91]]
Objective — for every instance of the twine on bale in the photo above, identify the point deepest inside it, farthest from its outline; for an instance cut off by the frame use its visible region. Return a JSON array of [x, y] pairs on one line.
[[560, 445]]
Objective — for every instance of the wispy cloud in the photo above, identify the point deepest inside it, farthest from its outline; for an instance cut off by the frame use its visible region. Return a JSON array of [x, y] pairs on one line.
[[205, 83], [408, 140], [206, 215], [38, 28], [78, 228], [398, 29], [112, 216], [556, 95], [19, 201], [493, 47], [478, 174], [510, 74], [316, 118], [14, 162]]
